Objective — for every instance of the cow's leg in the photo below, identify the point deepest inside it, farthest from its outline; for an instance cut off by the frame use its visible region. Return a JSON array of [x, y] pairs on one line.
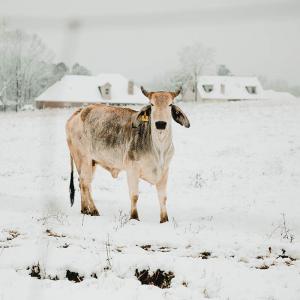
[[161, 187], [86, 175], [133, 186]]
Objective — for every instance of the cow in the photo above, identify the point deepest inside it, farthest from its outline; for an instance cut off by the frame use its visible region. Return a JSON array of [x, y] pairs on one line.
[[115, 138]]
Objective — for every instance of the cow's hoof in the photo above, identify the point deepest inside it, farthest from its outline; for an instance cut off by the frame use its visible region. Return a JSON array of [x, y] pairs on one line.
[[94, 213], [134, 215], [164, 219], [90, 212]]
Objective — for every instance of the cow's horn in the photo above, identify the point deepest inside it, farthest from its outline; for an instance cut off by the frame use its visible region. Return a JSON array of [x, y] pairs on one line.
[[177, 92], [144, 91]]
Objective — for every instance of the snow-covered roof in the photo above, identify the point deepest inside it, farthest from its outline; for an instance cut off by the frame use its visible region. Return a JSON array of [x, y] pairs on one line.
[[119, 89], [80, 88], [271, 94], [72, 88], [229, 87]]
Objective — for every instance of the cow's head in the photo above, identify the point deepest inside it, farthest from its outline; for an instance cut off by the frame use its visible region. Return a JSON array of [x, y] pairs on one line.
[[161, 110]]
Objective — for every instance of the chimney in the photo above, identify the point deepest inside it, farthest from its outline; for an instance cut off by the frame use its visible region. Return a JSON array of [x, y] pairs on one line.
[[130, 87]]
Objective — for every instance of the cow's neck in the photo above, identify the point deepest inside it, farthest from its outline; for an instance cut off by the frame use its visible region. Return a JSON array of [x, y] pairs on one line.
[[162, 143]]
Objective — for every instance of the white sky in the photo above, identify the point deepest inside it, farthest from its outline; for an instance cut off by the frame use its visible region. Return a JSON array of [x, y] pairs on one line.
[[141, 39]]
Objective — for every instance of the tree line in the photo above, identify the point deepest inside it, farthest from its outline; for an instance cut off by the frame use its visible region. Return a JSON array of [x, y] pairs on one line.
[[27, 68]]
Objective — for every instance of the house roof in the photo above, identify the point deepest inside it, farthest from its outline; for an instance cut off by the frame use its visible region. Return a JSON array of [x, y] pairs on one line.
[[271, 94], [80, 88], [234, 87], [120, 94], [72, 88]]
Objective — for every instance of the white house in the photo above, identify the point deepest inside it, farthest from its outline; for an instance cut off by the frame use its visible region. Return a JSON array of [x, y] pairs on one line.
[[78, 90], [225, 88]]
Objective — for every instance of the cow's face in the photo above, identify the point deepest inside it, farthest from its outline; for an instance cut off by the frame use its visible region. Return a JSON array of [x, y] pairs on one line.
[[161, 110]]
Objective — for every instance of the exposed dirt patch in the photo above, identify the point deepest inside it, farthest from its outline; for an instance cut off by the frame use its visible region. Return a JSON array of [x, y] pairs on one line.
[[164, 249], [13, 234], [65, 245], [74, 276], [35, 271], [54, 234], [287, 259], [159, 249], [146, 247], [158, 278], [205, 254], [94, 275], [284, 256], [185, 284], [263, 267]]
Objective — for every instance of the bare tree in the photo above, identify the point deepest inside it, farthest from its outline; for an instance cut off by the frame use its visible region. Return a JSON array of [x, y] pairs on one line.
[[171, 80], [223, 71], [195, 60], [78, 69], [24, 65]]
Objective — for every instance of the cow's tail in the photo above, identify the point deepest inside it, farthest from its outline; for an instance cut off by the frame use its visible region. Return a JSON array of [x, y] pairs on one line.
[[71, 187]]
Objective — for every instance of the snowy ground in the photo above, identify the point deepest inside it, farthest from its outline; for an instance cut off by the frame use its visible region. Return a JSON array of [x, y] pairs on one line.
[[234, 179]]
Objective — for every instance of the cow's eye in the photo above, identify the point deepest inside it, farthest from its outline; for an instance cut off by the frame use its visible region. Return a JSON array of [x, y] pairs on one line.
[[170, 104], [152, 104]]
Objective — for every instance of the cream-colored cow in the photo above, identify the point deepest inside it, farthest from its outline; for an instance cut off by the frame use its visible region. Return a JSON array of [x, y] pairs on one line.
[[138, 142]]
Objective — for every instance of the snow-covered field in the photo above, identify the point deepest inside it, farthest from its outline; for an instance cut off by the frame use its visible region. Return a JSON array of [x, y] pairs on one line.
[[234, 230]]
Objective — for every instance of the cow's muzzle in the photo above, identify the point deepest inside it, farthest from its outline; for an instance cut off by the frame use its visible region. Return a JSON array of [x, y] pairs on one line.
[[161, 125]]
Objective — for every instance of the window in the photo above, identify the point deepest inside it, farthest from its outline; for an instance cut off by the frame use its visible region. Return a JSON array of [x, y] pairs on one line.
[[208, 88], [251, 89], [105, 91]]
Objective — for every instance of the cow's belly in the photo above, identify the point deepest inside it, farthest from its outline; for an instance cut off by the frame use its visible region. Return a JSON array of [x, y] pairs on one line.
[[110, 159]]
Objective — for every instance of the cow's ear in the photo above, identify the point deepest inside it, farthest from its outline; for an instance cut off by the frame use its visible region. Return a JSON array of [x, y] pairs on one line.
[[179, 116], [142, 116]]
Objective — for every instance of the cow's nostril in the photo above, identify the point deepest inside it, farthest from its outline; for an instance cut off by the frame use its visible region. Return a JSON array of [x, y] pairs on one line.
[[161, 124]]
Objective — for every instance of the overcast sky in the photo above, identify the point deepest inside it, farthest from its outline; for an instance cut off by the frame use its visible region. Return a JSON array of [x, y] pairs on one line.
[[141, 39]]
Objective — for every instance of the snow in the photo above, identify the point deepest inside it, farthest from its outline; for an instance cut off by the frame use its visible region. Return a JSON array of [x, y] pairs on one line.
[[271, 94], [234, 179], [234, 87], [81, 88]]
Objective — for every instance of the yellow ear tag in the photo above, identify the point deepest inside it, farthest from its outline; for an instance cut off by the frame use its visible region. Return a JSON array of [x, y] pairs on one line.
[[144, 118]]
